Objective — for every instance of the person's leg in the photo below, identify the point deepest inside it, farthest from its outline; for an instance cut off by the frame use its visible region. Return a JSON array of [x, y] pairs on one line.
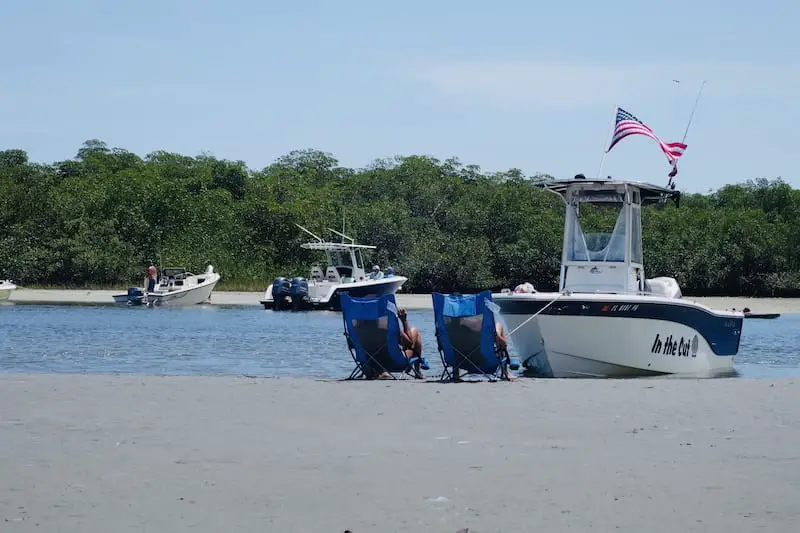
[[417, 338], [500, 336], [415, 350], [502, 350]]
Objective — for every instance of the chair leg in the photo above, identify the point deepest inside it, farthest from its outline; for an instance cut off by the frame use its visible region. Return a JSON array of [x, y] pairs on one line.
[[357, 373], [445, 372], [505, 372], [453, 375]]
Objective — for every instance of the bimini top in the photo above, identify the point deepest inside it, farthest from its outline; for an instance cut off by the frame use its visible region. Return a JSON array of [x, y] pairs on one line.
[[648, 191], [321, 244], [333, 246]]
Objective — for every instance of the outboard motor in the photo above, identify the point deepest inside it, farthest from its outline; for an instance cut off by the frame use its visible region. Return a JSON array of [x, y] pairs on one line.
[[299, 292], [135, 296], [281, 289]]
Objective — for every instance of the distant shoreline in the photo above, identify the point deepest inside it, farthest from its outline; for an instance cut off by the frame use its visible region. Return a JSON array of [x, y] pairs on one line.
[[409, 301]]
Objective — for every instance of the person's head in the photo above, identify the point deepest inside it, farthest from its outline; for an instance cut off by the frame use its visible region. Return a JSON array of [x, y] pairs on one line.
[[389, 270], [376, 268]]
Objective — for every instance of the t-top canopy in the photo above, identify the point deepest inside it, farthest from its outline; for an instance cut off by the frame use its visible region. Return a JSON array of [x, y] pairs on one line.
[[333, 246], [596, 189]]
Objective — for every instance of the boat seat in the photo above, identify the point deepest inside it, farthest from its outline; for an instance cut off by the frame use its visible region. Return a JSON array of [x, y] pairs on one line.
[[332, 274], [663, 286], [316, 273]]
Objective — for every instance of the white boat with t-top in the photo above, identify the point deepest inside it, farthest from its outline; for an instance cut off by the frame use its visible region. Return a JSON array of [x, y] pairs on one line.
[[6, 286], [343, 271], [608, 319]]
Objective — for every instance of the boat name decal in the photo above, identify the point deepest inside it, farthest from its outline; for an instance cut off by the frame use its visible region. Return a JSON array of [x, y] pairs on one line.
[[680, 347]]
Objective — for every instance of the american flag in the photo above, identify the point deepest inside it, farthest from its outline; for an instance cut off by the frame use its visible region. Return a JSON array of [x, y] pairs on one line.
[[627, 124]]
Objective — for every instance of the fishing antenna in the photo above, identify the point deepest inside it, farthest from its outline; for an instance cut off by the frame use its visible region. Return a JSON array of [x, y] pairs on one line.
[[670, 182], [691, 116], [304, 229]]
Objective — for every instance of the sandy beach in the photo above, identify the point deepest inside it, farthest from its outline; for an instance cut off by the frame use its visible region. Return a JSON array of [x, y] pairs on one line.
[[88, 454], [409, 301]]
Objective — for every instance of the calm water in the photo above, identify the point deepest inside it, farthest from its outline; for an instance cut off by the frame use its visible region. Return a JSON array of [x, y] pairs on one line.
[[214, 340]]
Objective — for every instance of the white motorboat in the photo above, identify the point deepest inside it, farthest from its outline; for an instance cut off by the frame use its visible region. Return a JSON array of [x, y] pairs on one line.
[[608, 319], [179, 287], [176, 287], [343, 272], [6, 286]]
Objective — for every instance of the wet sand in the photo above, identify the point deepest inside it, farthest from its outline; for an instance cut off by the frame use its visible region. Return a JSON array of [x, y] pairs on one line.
[[409, 301], [90, 454]]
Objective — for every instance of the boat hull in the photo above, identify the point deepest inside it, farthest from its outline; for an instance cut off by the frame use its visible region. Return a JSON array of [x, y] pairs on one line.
[[325, 296], [126, 298], [6, 287], [613, 336], [194, 295]]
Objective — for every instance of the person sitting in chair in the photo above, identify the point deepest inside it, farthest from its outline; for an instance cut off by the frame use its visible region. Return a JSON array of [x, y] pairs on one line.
[[411, 341], [500, 341]]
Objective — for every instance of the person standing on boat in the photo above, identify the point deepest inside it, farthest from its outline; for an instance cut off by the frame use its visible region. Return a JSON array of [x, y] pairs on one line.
[[152, 276]]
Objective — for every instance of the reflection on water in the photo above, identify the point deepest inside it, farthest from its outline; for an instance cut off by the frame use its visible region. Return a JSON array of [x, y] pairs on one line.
[[214, 340]]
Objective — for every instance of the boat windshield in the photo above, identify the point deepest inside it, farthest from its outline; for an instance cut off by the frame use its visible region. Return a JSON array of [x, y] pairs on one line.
[[171, 272], [598, 233], [343, 258], [343, 262]]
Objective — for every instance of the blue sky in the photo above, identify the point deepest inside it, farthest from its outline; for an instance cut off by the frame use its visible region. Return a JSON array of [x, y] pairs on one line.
[[501, 85]]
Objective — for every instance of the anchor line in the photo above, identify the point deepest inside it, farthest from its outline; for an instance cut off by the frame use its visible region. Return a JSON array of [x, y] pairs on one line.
[[537, 313]]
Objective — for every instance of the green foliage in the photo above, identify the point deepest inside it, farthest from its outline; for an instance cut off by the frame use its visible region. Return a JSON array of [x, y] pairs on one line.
[[97, 219]]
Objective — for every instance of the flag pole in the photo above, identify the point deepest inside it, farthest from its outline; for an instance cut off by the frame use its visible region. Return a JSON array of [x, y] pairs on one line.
[[610, 134]]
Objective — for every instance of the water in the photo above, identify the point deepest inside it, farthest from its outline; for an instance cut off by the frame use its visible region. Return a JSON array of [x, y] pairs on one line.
[[214, 340]]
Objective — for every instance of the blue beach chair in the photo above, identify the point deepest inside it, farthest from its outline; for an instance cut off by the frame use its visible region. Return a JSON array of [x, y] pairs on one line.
[[372, 329], [465, 335]]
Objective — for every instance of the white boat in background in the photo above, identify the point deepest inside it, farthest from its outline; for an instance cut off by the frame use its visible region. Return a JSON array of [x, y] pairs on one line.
[[6, 286], [343, 272], [179, 287], [176, 287], [608, 319]]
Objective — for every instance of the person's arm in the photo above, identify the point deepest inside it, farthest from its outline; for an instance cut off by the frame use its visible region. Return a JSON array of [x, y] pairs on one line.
[[404, 331]]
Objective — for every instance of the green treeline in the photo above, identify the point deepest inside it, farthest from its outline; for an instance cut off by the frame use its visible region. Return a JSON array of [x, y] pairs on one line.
[[97, 219]]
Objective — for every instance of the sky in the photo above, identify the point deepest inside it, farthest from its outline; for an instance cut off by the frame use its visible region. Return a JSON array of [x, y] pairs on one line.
[[502, 84]]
